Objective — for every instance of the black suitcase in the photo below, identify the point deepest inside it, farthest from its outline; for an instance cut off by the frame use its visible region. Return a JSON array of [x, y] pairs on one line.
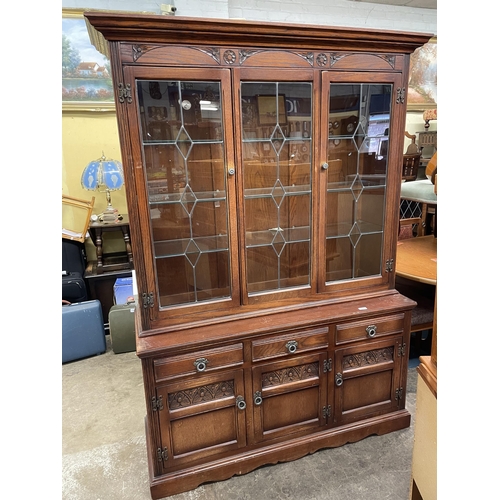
[[74, 288]]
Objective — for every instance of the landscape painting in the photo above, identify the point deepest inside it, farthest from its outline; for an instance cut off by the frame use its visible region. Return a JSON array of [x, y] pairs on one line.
[[86, 73], [422, 86]]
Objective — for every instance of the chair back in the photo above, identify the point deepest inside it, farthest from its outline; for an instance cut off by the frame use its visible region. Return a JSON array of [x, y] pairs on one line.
[[411, 163]]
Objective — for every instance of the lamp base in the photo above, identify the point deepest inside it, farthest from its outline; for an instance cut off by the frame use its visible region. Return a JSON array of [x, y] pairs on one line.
[[110, 215]]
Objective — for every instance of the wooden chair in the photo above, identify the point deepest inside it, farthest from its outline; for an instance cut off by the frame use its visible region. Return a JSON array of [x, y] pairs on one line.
[[76, 217], [411, 160]]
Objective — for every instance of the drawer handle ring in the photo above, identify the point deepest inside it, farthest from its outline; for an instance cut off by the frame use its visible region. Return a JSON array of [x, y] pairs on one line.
[[292, 346], [371, 330], [240, 403], [339, 379], [201, 364], [257, 398]]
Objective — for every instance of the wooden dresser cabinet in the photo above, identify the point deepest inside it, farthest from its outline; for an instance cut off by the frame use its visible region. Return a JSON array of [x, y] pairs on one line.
[[262, 167]]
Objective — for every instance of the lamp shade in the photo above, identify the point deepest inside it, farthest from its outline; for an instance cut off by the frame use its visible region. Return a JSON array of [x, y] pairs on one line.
[[103, 173]]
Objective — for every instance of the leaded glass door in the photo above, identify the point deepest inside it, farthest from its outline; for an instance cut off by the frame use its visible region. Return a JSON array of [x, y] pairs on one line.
[[277, 124], [188, 181], [356, 126]]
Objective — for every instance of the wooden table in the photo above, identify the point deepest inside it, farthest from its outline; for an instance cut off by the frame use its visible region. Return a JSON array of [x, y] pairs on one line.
[[112, 262], [416, 259]]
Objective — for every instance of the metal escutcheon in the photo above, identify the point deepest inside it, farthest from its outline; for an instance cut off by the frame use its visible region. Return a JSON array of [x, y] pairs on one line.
[[201, 364], [292, 346], [240, 403], [371, 330], [339, 379], [257, 398]]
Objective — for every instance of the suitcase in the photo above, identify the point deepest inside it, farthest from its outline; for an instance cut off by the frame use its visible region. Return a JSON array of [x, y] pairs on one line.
[[122, 327], [73, 287], [82, 330]]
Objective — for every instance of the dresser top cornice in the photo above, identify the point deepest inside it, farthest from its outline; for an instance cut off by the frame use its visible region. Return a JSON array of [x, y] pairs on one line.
[[147, 28]]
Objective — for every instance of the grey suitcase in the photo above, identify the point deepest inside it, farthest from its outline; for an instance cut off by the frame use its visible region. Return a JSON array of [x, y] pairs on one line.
[[122, 327], [82, 330]]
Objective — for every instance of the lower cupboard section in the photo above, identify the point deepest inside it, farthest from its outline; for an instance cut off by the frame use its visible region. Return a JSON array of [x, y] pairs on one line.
[[210, 425]]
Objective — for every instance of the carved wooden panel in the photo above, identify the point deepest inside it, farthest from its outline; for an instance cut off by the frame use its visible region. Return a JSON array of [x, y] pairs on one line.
[[201, 394]]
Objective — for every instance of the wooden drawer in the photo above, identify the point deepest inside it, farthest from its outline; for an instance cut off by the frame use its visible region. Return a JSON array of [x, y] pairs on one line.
[[204, 361], [368, 329], [289, 344]]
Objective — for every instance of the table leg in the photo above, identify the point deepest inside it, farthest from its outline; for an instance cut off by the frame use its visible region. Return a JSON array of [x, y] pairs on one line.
[[98, 248], [128, 246]]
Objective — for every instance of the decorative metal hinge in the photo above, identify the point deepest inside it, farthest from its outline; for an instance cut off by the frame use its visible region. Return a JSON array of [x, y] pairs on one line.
[[327, 365], [147, 300], [400, 95], [157, 403], [389, 265], [327, 411], [399, 393], [162, 455], [402, 349], [124, 93]]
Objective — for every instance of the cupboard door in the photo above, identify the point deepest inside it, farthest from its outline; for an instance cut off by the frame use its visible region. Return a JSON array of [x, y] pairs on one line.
[[289, 397], [358, 164], [201, 417], [367, 380], [185, 174]]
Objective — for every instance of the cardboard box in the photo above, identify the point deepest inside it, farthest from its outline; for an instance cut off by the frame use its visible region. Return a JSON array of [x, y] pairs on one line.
[[123, 291]]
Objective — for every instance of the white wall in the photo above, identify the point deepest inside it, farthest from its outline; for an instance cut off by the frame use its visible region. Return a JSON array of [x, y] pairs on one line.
[[322, 12]]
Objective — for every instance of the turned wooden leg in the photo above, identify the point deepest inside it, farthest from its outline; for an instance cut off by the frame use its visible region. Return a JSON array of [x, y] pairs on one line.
[[128, 246], [98, 249]]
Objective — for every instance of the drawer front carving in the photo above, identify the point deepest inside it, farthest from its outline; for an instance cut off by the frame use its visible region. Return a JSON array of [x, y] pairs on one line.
[[369, 329], [204, 361], [290, 344]]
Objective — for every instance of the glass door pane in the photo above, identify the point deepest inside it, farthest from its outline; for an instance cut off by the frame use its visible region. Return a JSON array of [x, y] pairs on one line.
[[358, 139], [183, 150], [277, 156]]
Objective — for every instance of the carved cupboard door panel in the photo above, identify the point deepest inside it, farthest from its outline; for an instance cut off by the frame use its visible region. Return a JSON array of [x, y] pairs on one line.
[[367, 380], [289, 396], [201, 418]]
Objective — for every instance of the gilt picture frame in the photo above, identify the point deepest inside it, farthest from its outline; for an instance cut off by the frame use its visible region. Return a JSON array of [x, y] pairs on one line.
[[422, 84], [266, 108], [86, 74]]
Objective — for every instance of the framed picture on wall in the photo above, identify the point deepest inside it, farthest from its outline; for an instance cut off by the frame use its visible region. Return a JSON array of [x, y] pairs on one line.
[[422, 85], [86, 73], [266, 106]]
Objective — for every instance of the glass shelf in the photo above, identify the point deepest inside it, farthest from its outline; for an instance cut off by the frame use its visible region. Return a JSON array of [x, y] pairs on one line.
[[277, 236], [191, 246], [344, 229], [272, 191], [172, 198]]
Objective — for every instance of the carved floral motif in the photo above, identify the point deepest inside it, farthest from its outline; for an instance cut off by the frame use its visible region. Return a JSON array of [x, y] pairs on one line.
[[202, 394], [368, 358], [290, 374]]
